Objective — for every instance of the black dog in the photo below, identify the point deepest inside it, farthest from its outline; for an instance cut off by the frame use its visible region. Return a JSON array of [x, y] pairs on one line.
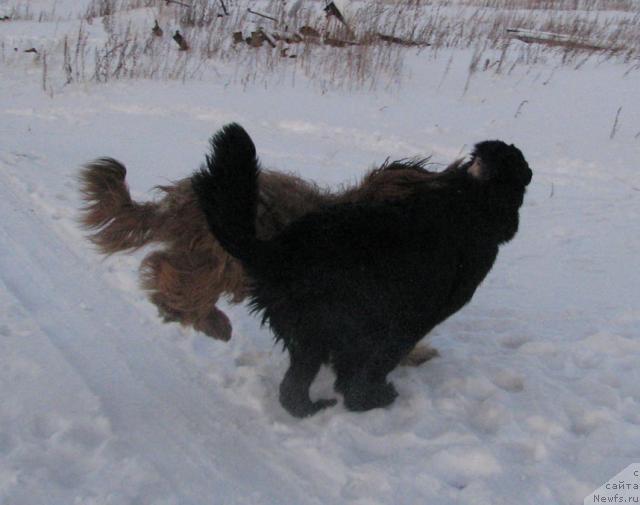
[[357, 285]]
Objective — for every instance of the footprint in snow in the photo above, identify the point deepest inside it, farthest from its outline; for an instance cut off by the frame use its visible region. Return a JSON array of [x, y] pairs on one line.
[[250, 358], [514, 341], [6, 443], [509, 380]]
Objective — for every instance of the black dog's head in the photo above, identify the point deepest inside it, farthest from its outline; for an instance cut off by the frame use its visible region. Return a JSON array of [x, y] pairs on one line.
[[493, 160]]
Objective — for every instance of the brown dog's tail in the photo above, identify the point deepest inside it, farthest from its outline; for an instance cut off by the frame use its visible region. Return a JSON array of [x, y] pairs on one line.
[[117, 222]]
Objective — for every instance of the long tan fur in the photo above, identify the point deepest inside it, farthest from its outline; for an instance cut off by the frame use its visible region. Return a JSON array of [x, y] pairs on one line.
[[187, 275]]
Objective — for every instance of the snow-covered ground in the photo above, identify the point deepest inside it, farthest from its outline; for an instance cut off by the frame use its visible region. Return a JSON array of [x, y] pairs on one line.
[[535, 398]]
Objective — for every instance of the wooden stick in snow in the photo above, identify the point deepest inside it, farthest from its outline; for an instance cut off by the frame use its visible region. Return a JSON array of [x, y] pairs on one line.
[[262, 15]]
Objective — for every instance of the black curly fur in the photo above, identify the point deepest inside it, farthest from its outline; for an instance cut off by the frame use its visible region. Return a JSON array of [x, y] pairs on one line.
[[227, 190], [357, 285]]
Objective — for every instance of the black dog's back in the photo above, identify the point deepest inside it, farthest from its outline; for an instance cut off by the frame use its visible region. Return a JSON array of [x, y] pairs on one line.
[[359, 285]]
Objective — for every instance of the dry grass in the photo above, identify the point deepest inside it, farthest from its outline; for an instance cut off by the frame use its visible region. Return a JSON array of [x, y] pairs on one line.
[[555, 5], [369, 54]]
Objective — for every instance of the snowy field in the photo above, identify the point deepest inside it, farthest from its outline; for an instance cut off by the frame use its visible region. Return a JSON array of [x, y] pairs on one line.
[[535, 398]]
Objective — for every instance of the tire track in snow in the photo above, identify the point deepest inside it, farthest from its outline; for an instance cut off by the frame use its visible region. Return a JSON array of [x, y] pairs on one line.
[[152, 399]]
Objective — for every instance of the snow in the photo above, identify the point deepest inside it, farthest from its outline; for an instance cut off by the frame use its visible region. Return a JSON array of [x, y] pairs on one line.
[[534, 399]]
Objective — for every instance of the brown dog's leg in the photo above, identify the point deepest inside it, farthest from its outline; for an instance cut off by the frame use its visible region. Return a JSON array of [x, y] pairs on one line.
[[216, 325], [420, 354], [183, 293]]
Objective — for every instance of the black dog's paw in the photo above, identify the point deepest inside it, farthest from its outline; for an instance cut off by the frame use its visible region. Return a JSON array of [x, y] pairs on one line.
[[371, 396], [323, 403], [308, 409], [298, 407]]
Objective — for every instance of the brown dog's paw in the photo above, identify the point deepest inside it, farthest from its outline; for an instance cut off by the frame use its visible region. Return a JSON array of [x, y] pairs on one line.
[[215, 325], [420, 354]]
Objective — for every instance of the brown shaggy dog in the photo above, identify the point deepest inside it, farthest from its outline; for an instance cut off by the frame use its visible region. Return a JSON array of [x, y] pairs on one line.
[[187, 275]]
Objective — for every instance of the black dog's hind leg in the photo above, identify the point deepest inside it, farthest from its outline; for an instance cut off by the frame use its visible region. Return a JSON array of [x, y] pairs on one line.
[[294, 388], [364, 382], [363, 393]]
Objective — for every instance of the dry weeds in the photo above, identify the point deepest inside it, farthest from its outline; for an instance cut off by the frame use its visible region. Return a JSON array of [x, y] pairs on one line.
[[369, 53]]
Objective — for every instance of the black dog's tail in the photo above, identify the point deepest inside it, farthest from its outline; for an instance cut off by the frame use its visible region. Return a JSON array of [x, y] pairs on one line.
[[227, 190]]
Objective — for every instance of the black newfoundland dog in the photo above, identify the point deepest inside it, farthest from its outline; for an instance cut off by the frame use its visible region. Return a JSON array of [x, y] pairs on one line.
[[357, 285]]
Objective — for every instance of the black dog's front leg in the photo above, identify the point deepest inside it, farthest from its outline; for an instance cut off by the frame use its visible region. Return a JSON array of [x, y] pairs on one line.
[[294, 388]]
